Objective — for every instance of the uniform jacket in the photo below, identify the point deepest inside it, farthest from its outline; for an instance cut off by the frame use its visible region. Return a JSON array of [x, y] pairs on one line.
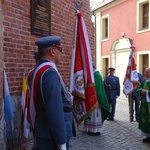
[[51, 121], [112, 86]]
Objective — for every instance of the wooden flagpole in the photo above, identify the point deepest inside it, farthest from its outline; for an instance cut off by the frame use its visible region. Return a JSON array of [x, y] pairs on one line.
[[77, 7], [73, 58]]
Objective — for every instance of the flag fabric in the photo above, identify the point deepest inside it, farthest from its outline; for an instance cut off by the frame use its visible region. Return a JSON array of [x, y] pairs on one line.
[[25, 125], [8, 110], [28, 94], [82, 79], [131, 77], [24, 90]]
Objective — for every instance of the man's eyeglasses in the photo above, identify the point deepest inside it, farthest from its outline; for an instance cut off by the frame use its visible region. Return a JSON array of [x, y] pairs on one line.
[[58, 47]]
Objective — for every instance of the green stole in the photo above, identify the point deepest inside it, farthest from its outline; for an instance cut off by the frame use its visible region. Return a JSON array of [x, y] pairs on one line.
[[101, 95]]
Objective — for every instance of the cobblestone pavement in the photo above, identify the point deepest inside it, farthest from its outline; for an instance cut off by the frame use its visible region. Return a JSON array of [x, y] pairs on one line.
[[117, 135]]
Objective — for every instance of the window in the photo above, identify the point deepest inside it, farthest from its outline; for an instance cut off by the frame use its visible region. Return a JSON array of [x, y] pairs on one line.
[[105, 27], [145, 63], [143, 15], [105, 66]]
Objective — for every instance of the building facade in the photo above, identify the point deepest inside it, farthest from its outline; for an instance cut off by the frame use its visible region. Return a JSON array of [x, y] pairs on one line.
[[17, 40], [118, 24]]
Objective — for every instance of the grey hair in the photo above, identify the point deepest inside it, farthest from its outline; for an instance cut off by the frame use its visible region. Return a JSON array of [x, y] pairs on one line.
[[43, 51], [147, 69]]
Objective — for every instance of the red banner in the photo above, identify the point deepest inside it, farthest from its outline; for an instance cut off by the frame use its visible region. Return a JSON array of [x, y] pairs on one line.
[[131, 76], [83, 87]]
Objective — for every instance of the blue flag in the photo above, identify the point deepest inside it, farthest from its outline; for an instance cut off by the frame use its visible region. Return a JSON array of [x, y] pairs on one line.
[[8, 110]]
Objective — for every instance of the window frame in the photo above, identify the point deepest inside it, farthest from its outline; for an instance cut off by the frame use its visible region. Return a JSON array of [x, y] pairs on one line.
[[105, 65], [140, 57], [145, 22], [140, 17], [105, 29]]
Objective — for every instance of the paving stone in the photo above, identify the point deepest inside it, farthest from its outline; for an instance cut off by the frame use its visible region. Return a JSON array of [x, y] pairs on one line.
[[117, 135]]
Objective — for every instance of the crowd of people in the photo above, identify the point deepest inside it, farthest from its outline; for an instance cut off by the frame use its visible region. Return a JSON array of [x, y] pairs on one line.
[[50, 112]]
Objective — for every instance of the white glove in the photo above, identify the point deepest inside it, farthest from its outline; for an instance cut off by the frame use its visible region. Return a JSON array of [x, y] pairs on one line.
[[63, 147]]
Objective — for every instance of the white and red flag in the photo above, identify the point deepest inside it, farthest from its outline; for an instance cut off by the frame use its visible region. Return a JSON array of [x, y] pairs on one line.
[[131, 77], [82, 83]]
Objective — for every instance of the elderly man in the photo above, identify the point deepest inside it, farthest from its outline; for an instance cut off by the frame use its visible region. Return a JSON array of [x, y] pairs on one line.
[[51, 104], [144, 117]]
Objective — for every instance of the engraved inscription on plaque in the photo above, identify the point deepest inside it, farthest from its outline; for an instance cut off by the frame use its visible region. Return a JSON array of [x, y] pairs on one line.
[[40, 17]]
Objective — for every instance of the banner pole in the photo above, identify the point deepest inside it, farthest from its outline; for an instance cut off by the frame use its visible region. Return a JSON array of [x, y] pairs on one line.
[[130, 107], [73, 57], [78, 6]]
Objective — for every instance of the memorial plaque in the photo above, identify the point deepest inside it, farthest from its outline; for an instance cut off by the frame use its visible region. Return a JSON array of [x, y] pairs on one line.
[[40, 17]]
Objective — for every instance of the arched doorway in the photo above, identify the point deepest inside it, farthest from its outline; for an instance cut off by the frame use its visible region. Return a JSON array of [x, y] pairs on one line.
[[120, 56]]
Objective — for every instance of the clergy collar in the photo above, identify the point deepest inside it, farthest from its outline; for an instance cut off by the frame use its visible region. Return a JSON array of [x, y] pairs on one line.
[[148, 80]]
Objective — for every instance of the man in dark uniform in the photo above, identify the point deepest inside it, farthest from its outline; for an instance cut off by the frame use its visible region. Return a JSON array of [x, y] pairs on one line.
[[112, 87], [51, 103]]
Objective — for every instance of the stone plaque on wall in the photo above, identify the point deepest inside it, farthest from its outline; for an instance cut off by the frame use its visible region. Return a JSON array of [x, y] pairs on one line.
[[40, 17]]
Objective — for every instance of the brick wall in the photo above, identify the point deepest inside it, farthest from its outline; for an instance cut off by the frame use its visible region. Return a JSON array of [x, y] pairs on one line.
[[2, 123], [18, 44], [1, 59]]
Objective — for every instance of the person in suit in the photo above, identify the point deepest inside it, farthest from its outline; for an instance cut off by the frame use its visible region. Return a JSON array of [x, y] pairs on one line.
[[112, 87], [50, 101], [134, 101]]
